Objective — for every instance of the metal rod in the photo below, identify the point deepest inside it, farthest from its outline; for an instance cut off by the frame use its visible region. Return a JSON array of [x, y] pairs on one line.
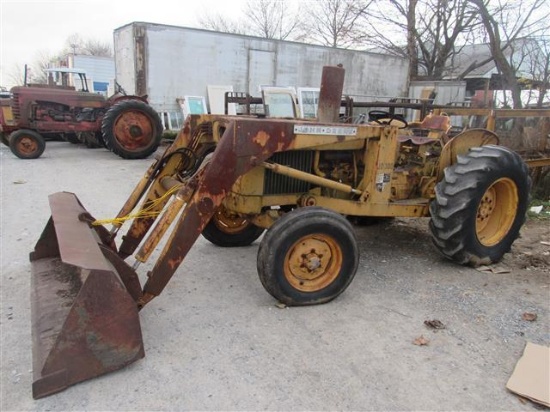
[[317, 180], [181, 198]]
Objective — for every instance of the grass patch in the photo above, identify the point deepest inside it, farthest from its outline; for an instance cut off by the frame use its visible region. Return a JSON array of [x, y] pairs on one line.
[[169, 134]]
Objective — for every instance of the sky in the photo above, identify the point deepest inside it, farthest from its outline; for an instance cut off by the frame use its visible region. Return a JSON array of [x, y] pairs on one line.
[[29, 28]]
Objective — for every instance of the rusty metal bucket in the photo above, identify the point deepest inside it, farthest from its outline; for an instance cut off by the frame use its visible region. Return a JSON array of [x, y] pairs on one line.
[[84, 321]]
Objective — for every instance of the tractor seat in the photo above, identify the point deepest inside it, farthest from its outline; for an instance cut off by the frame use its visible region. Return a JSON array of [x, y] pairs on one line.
[[431, 128]]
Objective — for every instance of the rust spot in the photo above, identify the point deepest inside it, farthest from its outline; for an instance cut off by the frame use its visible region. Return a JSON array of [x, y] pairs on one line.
[[261, 138], [206, 206], [174, 263]]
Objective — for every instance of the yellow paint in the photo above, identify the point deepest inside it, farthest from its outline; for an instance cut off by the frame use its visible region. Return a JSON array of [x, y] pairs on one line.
[[496, 212]]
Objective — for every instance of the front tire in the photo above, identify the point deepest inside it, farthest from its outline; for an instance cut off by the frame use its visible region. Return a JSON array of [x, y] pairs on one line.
[[480, 205], [27, 144], [309, 256], [131, 129]]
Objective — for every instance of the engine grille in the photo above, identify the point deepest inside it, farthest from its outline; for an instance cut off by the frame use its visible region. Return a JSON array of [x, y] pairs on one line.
[[15, 106], [276, 184]]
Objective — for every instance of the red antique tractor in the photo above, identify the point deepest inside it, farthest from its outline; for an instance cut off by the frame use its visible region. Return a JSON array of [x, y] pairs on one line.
[[125, 124]]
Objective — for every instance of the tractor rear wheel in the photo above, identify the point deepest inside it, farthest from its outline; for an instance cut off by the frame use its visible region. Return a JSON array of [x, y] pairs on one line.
[[26, 144], [131, 129], [309, 256], [480, 205], [230, 230]]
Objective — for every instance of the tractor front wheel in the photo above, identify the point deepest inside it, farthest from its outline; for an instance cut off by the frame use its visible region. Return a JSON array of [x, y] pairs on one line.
[[131, 129], [309, 256], [480, 205], [26, 144], [230, 230]]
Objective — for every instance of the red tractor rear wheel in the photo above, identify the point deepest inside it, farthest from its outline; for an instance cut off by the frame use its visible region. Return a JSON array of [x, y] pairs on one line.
[[132, 129]]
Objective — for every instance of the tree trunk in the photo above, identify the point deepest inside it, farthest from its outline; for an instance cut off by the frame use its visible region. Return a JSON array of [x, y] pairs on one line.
[[411, 40], [509, 81]]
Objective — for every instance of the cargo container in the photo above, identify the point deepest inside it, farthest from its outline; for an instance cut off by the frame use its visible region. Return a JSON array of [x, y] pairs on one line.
[[168, 63]]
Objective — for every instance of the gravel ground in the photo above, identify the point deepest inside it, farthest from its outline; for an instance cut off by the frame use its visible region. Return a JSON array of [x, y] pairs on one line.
[[215, 340]]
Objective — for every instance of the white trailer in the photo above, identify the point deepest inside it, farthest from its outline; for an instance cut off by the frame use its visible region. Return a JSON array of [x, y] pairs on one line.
[[169, 62]]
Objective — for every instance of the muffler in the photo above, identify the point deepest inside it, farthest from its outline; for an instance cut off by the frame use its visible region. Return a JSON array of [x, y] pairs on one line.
[[84, 320]]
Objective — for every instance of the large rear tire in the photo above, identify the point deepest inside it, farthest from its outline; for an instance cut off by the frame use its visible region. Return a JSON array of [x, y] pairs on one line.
[[131, 129], [480, 205], [309, 256], [230, 230], [27, 144]]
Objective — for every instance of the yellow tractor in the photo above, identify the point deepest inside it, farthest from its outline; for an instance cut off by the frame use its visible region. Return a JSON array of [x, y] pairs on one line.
[[230, 178]]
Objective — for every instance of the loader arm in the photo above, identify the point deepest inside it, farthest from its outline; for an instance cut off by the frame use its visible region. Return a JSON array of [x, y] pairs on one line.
[[243, 146], [152, 180]]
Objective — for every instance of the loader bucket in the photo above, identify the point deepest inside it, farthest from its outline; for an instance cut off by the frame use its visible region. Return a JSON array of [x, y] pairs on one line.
[[84, 322]]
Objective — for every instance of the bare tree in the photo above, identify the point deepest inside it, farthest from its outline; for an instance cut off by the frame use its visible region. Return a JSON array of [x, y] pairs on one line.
[[270, 19], [220, 23], [412, 43], [541, 69], [16, 75], [95, 47], [36, 72], [337, 23], [505, 22], [76, 44], [428, 32], [273, 19]]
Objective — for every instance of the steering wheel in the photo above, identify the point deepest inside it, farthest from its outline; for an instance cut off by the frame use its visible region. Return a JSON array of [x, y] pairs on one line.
[[387, 118]]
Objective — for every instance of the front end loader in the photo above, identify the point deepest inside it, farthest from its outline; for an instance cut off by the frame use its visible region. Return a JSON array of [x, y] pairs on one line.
[[230, 178]]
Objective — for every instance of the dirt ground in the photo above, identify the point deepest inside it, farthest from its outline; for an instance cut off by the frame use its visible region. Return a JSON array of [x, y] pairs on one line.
[[216, 340], [532, 249]]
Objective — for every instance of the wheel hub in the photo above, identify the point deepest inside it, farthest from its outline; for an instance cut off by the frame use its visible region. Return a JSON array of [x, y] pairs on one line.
[[133, 130], [496, 212], [27, 145], [486, 206], [229, 222], [313, 262]]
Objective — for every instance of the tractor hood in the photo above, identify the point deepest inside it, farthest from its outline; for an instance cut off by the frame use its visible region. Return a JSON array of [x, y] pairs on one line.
[[67, 97]]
